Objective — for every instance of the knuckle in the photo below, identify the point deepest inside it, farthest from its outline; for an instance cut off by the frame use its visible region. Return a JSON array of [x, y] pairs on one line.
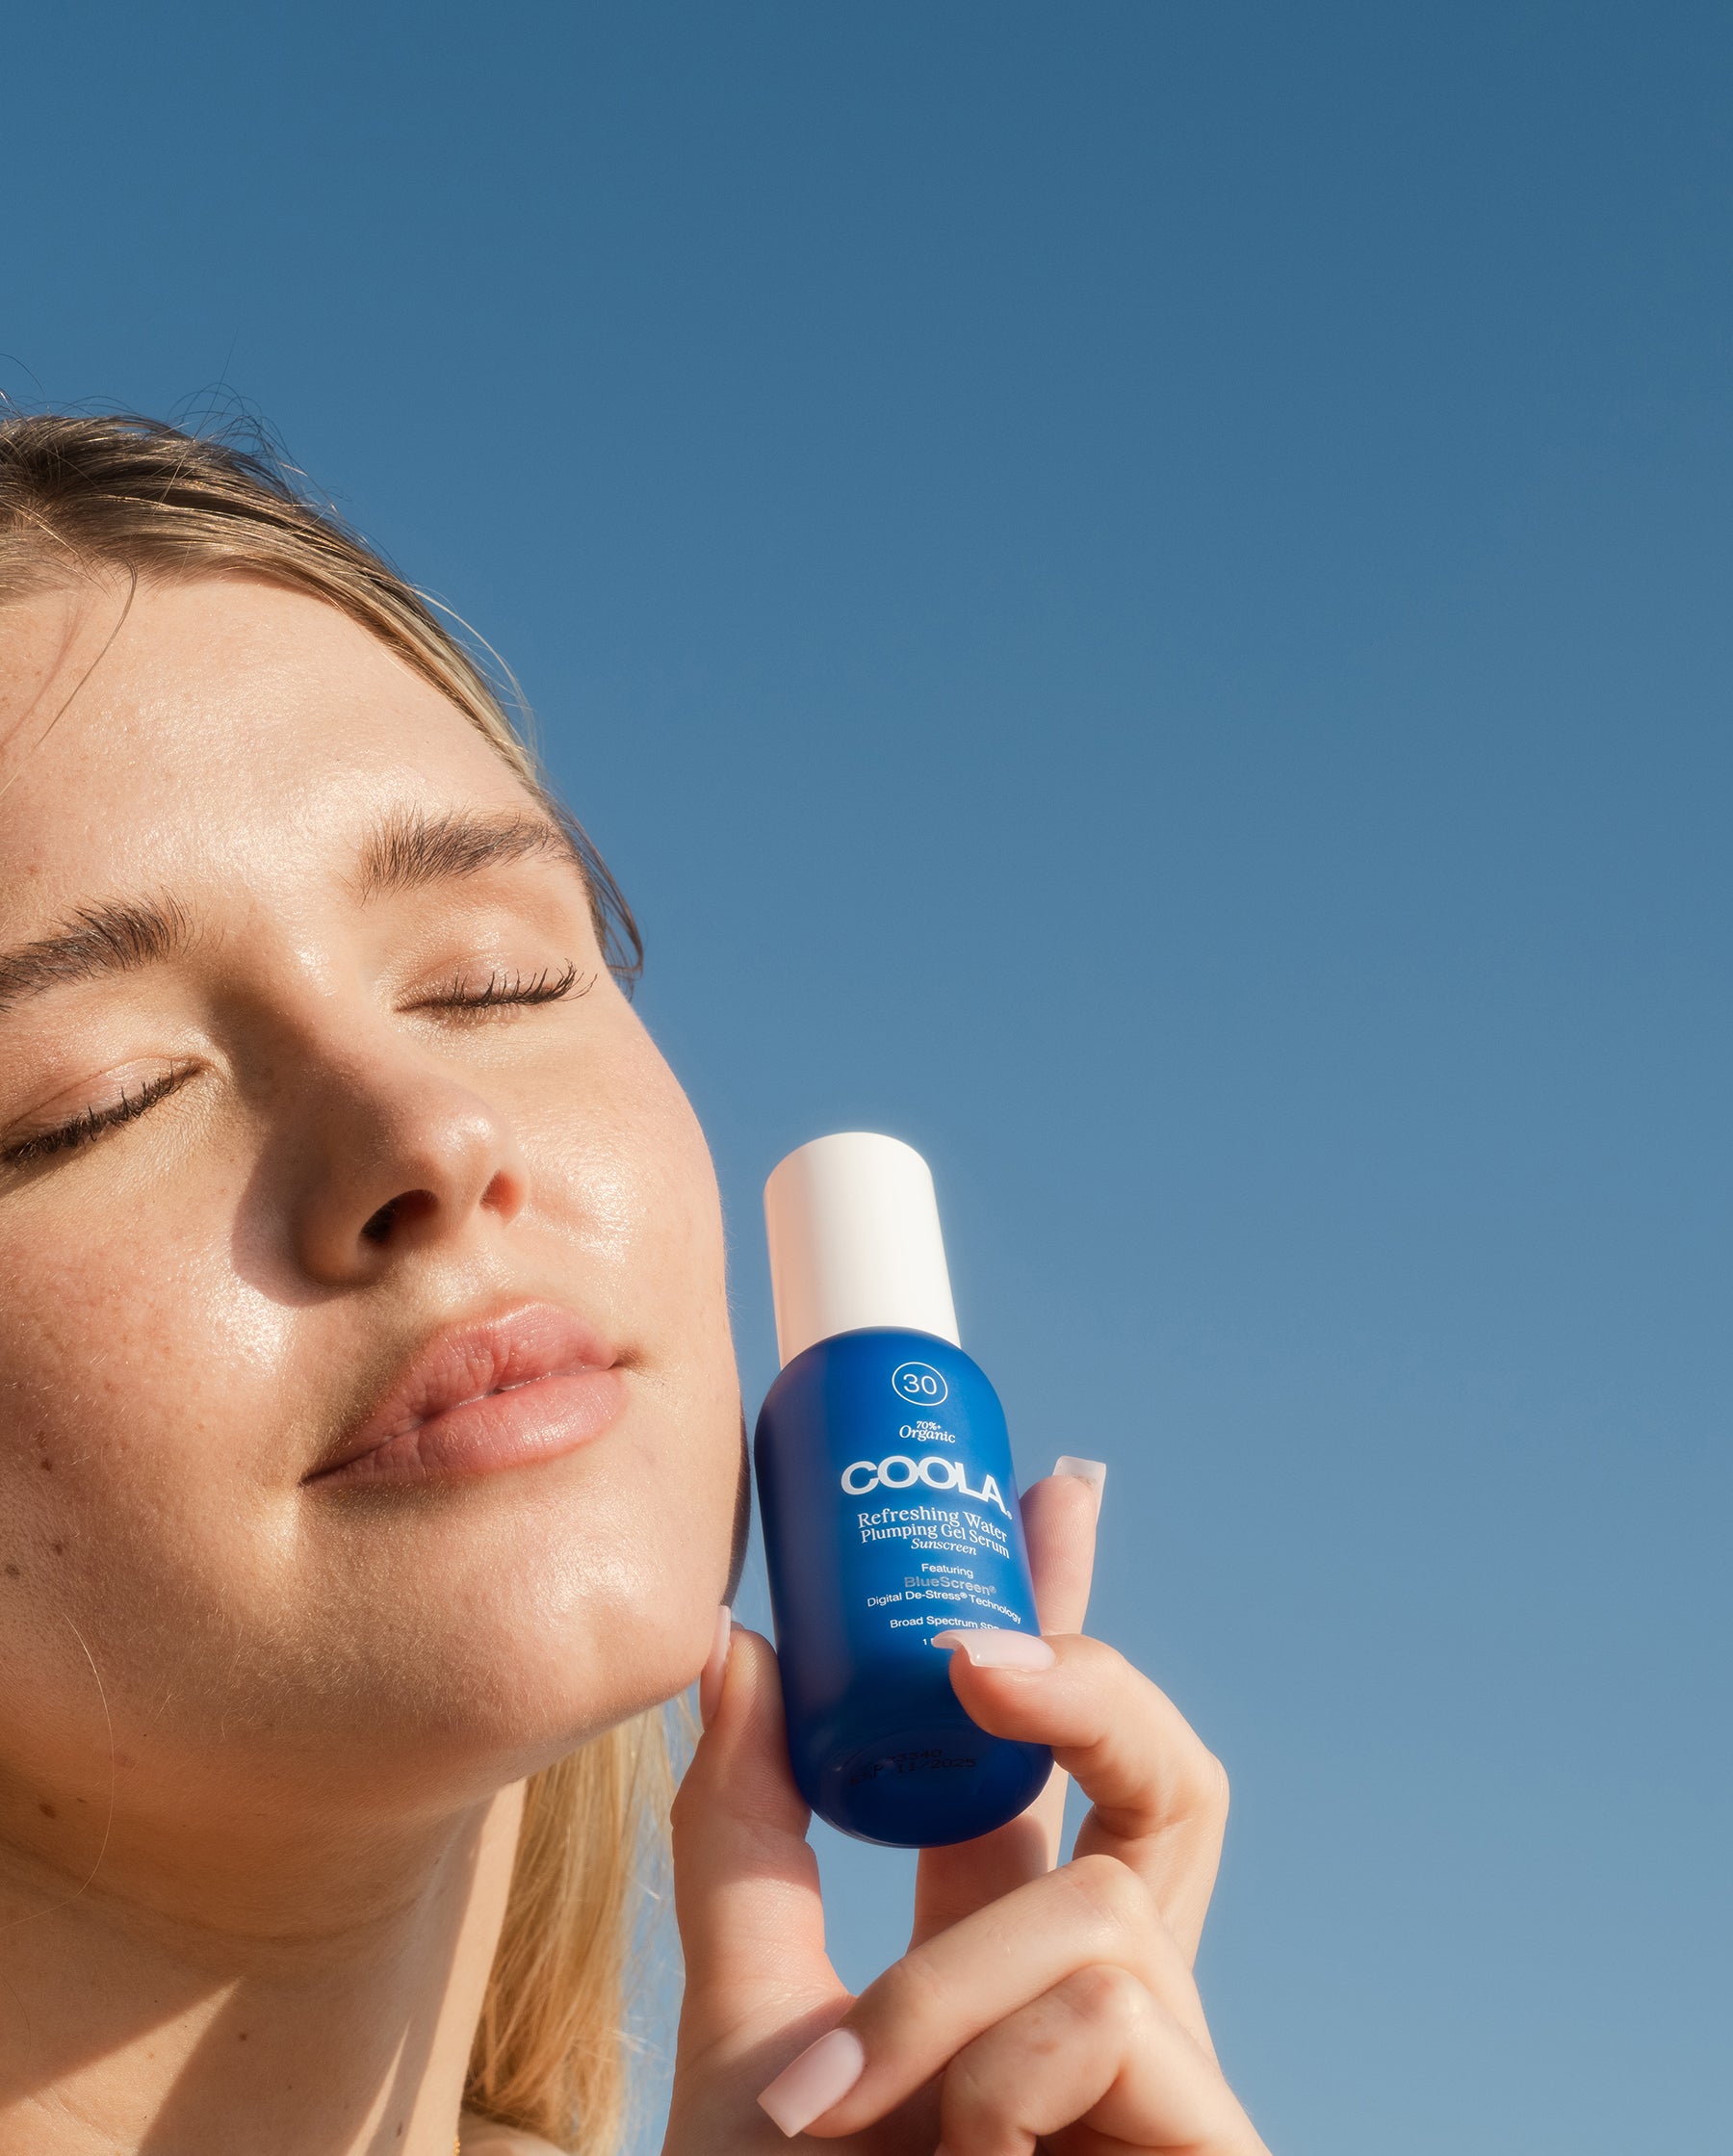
[[1209, 1780], [911, 1991], [1196, 1781], [1105, 1998], [1110, 1890]]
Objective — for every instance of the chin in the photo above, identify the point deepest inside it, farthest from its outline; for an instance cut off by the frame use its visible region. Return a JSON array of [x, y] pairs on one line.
[[499, 1626], [536, 1674]]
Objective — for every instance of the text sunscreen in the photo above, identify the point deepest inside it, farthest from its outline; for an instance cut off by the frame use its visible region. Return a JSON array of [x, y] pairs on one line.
[[889, 1502]]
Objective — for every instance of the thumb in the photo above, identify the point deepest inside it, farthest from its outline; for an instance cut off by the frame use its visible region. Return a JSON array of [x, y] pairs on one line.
[[745, 1882]]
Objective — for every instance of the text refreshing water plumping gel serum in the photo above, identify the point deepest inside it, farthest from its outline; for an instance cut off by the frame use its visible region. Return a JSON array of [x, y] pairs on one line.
[[889, 1503]]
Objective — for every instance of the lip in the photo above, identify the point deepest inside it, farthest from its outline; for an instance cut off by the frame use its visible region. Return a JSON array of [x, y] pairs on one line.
[[531, 1384]]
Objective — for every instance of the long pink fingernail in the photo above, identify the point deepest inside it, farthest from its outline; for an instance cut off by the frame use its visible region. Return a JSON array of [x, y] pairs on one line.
[[821, 2076], [1092, 1471], [990, 1648], [715, 1669]]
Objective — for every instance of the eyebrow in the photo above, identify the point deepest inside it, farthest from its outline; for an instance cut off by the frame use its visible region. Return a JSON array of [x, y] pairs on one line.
[[117, 936], [409, 849], [405, 851]]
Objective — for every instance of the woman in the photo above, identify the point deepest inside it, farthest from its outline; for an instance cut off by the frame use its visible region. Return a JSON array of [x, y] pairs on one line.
[[372, 1447]]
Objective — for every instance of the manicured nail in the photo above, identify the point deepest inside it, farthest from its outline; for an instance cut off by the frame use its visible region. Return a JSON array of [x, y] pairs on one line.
[[710, 1682], [1092, 1471], [990, 1648], [821, 2076]]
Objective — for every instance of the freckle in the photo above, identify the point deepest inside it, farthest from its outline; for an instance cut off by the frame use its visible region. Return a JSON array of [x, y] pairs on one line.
[[59, 1548], [47, 1467], [11, 1571], [47, 1810], [241, 2036]]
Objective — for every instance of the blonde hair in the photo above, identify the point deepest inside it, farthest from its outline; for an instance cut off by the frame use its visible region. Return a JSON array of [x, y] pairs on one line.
[[116, 494]]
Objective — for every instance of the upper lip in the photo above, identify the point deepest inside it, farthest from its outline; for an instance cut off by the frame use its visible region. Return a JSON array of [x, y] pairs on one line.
[[468, 1361]]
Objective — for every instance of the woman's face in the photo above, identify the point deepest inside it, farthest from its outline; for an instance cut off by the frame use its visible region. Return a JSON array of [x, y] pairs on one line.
[[255, 879]]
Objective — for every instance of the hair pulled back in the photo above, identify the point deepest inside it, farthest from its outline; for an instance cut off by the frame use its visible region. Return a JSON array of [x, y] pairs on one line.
[[139, 497], [120, 496]]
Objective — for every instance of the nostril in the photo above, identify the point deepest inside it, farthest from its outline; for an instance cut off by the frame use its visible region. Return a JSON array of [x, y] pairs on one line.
[[401, 1212]]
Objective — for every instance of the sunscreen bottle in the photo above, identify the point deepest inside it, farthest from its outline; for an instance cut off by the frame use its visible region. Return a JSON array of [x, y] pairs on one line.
[[889, 1503]]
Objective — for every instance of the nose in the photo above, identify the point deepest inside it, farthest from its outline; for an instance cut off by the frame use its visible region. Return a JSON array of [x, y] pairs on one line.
[[399, 1160]]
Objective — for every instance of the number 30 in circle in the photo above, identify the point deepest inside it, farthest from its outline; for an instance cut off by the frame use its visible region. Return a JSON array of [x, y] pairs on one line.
[[920, 1384]]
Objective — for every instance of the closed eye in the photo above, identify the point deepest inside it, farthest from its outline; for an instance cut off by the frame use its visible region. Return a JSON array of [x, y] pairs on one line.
[[502, 990], [91, 1124]]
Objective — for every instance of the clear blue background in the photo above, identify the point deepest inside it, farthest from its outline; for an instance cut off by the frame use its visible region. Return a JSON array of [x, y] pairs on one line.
[[1138, 595]]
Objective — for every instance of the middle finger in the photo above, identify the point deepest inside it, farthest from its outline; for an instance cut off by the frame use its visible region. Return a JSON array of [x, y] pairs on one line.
[[1158, 1799]]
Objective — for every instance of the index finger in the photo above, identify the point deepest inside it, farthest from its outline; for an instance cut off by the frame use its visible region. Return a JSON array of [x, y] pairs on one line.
[[1158, 1797], [746, 1890]]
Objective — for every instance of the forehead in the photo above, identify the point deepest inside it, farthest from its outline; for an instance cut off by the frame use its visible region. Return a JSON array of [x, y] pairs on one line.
[[225, 726]]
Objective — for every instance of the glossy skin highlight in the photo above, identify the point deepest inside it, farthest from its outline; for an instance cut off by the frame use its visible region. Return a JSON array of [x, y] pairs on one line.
[[195, 1305], [201, 1300], [325, 1139]]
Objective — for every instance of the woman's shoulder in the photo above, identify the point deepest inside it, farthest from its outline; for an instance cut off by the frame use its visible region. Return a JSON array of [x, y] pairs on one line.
[[483, 2137]]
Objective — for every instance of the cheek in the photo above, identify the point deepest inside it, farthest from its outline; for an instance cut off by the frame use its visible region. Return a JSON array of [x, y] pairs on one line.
[[629, 1179], [644, 1580], [680, 1273], [149, 1396], [128, 1342], [138, 1380]]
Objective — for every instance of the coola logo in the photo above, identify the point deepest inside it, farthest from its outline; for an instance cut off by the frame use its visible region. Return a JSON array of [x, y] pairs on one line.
[[900, 1472]]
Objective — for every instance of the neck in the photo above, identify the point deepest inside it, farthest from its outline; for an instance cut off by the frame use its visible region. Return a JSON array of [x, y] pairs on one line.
[[321, 2002]]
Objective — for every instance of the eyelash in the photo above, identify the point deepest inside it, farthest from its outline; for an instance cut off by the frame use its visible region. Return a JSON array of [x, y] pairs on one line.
[[92, 1122], [502, 990]]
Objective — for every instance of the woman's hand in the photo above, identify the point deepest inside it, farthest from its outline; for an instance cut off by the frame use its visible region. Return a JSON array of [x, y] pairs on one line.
[[1036, 2007]]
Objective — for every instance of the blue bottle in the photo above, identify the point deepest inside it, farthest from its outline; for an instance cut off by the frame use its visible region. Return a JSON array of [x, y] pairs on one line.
[[890, 1506]]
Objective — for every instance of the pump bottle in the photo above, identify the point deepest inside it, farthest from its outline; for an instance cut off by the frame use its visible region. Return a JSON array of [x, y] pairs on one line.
[[890, 1506]]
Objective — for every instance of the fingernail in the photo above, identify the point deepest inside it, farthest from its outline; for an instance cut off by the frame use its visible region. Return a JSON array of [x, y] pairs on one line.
[[710, 1682], [1092, 1471], [990, 1648], [821, 2076]]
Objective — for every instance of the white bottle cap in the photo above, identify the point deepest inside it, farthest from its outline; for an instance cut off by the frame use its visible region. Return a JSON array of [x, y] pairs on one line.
[[855, 1240]]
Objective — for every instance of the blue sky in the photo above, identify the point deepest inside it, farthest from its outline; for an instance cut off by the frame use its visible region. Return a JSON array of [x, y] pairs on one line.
[[1137, 594]]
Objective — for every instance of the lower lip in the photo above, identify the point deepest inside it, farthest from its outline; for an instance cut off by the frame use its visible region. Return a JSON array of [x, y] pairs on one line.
[[520, 1427]]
